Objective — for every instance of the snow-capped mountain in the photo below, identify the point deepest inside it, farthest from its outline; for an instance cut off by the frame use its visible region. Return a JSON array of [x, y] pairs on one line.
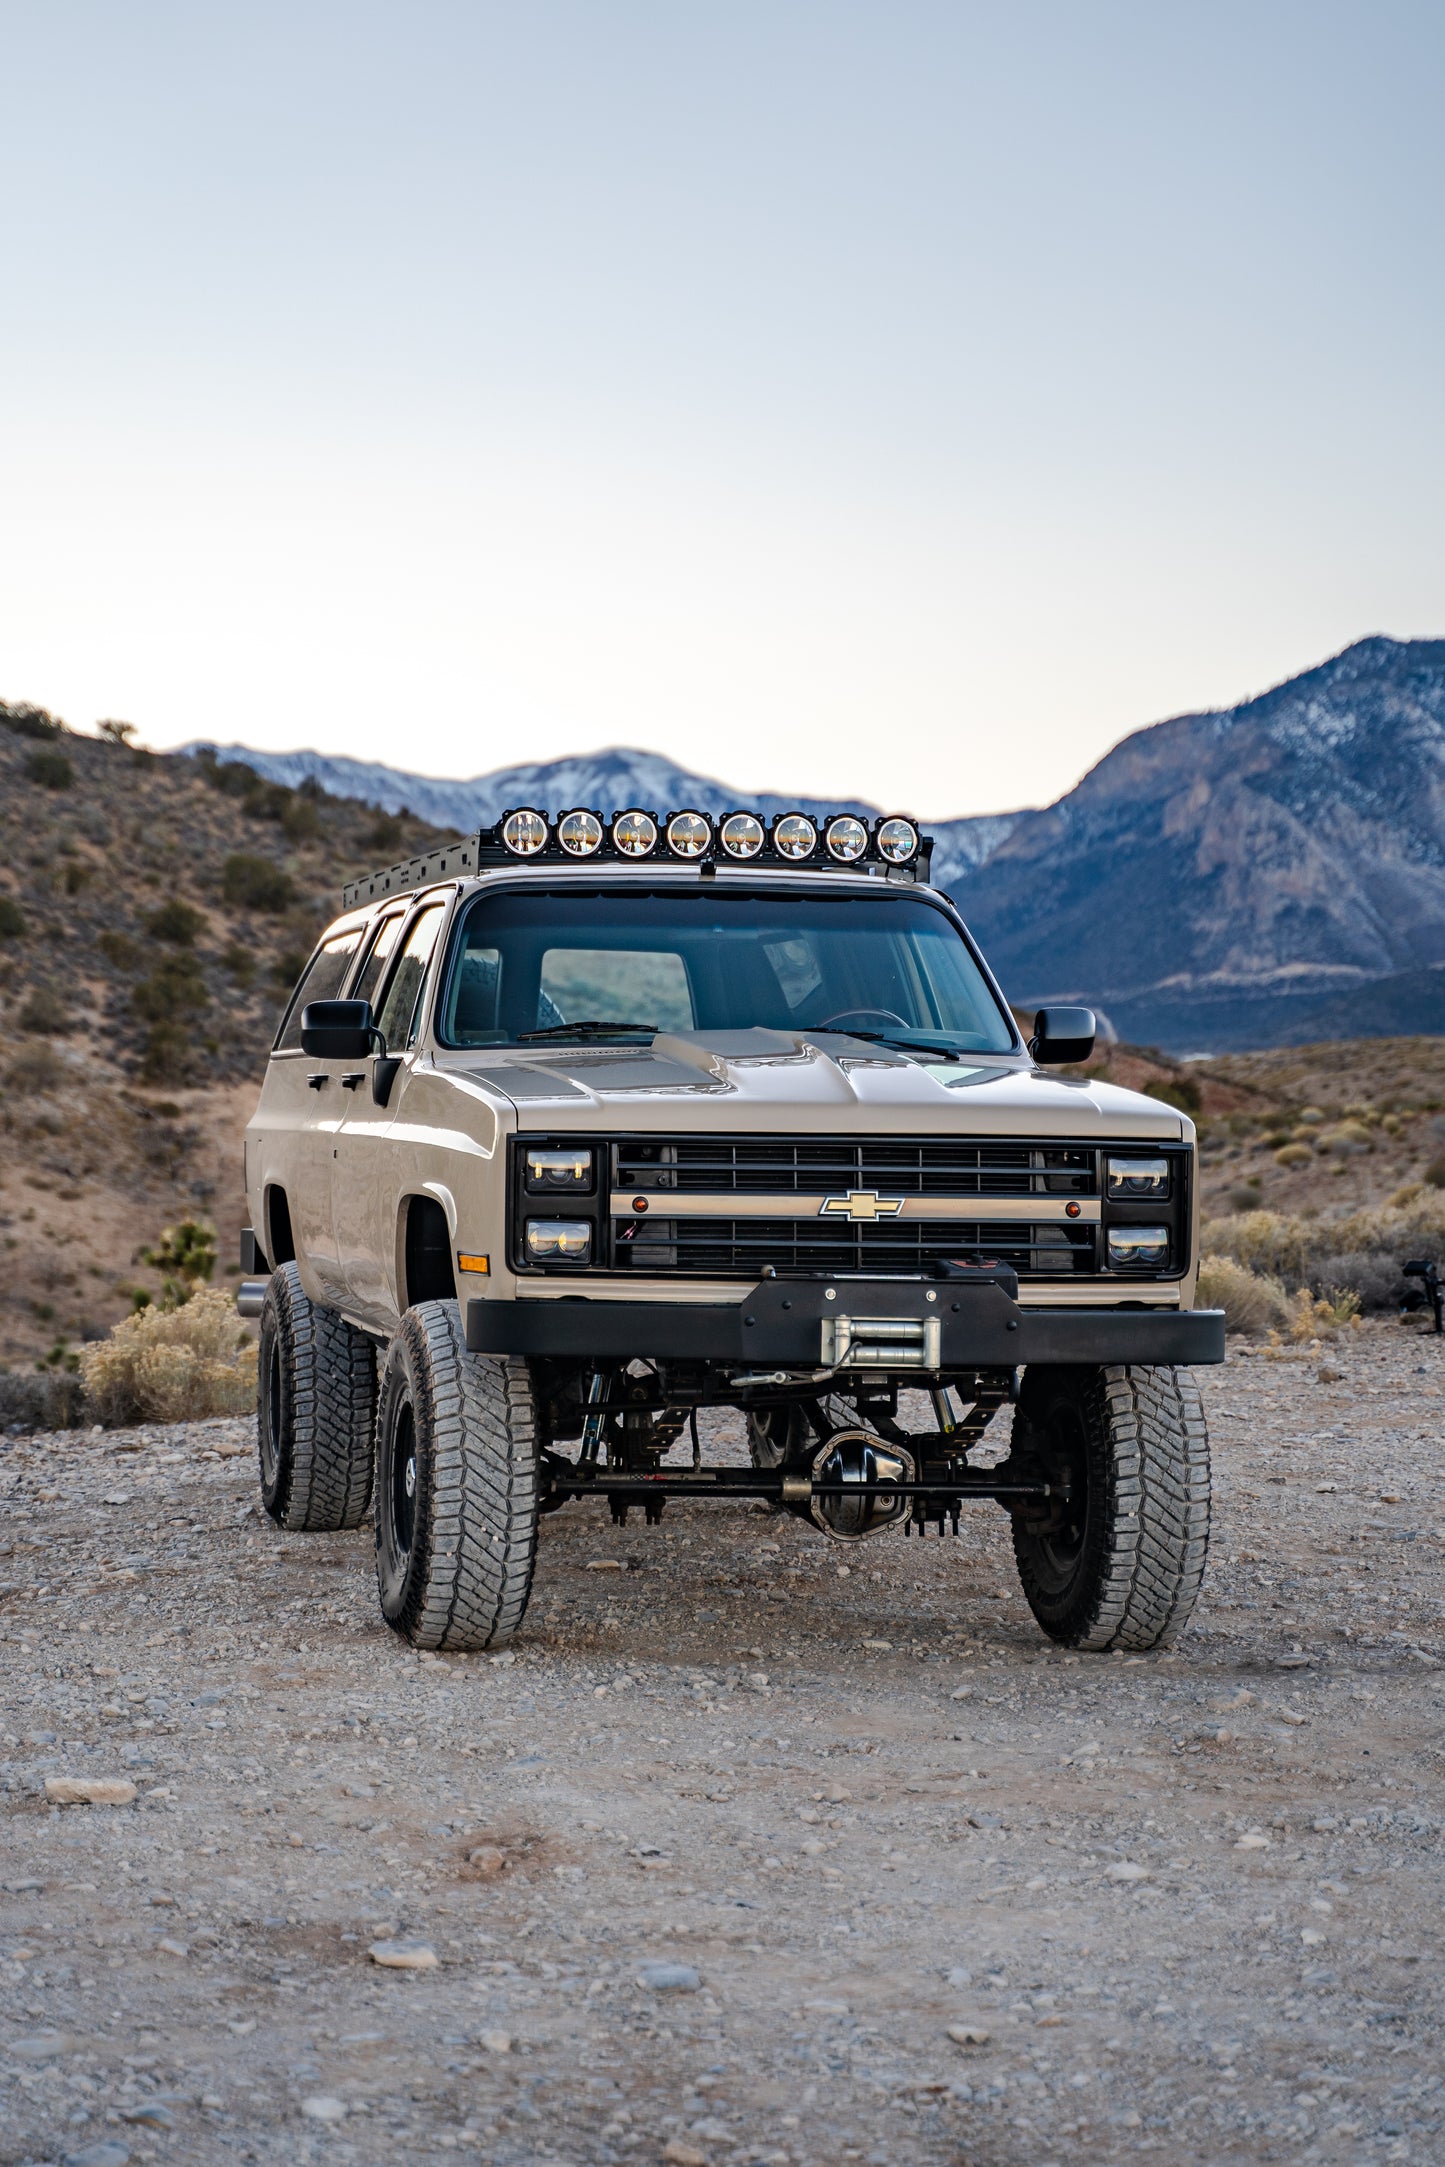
[[608, 780]]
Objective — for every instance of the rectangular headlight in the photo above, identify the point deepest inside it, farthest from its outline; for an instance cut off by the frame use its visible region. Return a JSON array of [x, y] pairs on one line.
[[1137, 1179], [559, 1241], [1138, 1248], [552, 1169]]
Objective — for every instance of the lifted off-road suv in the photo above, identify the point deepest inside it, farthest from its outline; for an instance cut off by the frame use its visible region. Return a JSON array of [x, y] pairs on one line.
[[576, 1127]]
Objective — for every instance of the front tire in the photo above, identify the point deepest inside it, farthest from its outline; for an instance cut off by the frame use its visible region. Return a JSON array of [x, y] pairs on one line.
[[456, 1487], [1118, 1565], [315, 1411]]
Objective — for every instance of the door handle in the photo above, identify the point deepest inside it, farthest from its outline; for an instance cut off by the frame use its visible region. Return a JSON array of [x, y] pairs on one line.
[[318, 1083]]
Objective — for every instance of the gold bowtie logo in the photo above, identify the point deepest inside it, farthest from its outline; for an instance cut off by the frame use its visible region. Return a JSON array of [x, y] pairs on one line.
[[860, 1204]]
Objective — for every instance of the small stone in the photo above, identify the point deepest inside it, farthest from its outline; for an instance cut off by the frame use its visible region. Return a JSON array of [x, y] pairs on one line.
[[1431, 1662], [495, 2042], [168, 1947], [89, 1790], [1253, 1841], [323, 2108], [487, 1861], [150, 2116], [879, 1647], [826, 2008], [1312, 1938], [40, 2047], [668, 1978], [1127, 1870], [961, 1692], [604, 1565], [969, 2035], [679, 2153], [110, 2152], [403, 1955]]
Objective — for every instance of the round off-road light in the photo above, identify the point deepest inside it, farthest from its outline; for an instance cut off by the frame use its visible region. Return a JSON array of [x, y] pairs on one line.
[[898, 841], [634, 834], [525, 833], [688, 835], [846, 838], [742, 835], [580, 834], [794, 836]]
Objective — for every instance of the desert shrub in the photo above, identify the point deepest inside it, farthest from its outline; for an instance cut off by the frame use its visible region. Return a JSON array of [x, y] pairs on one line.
[[251, 883], [50, 769], [1180, 1091], [167, 1053], [43, 1012], [300, 819], [30, 721], [176, 922], [1251, 1303], [1293, 1155], [1358, 1253], [186, 1256], [240, 962], [115, 733], [35, 1068], [118, 948], [12, 919], [1321, 1316], [1435, 1173], [174, 990], [1245, 1197], [173, 1365], [1311, 1116], [43, 1400], [1346, 1140], [385, 834], [1372, 1275]]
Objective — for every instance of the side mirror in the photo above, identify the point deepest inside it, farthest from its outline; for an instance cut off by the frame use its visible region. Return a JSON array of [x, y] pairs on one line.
[[1062, 1035], [338, 1030]]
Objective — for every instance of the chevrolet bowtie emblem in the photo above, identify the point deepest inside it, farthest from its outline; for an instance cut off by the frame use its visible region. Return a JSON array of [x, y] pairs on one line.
[[860, 1204]]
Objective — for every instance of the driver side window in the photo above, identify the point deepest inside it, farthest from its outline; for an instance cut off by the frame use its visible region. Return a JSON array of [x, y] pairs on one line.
[[400, 1017]]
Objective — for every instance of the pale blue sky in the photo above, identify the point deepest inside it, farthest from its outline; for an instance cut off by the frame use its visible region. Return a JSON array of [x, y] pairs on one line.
[[906, 400]]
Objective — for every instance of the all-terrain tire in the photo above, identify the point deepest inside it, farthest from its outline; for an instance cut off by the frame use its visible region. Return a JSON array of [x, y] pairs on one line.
[[315, 1411], [1123, 1569], [457, 1489]]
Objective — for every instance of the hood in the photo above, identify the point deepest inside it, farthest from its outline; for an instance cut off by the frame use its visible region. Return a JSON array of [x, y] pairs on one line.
[[822, 1082]]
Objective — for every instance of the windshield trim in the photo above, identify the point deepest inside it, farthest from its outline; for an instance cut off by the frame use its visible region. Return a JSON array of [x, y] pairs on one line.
[[574, 886]]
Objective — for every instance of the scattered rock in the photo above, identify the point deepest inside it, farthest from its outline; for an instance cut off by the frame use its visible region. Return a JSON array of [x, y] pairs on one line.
[[668, 1978], [403, 1955], [110, 2152], [679, 2153], [40, 2047], [495, 2042], [969, 2035], [1126, 1870], [89, 1790], [150, 2115], [1255, 1840], [323, 2107], [487, 1861]]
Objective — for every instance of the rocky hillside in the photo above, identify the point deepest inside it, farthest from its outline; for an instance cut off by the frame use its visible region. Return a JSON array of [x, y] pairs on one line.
[[1272, 874], [154, 913]]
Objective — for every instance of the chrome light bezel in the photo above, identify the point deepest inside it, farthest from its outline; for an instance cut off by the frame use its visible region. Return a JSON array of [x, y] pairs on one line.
[[1123, 1176], [634, 833], [897, 839], [742, 835], [1138, 1248], [545, 1169], [580, 833], [558, 1241], [689, 833], [525, 832], [795, 836], [847, 838]]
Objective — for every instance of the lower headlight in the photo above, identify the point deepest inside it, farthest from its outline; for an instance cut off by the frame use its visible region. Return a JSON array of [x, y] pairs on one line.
[[1138, 1248], [559, 1241]]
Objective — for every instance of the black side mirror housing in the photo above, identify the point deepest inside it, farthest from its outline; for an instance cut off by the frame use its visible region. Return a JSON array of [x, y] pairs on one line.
[[1062, 1035], [338, 1030]]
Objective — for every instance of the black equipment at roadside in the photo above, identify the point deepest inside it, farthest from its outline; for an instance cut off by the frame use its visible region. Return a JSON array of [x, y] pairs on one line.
[[1424, 1270]]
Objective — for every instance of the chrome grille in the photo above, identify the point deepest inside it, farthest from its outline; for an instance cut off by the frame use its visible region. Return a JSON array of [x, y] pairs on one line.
[[931, 1166]]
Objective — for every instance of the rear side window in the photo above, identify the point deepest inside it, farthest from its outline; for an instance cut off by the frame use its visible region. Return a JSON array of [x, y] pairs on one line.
[[322, 980], [378, 956], [401, 1006]]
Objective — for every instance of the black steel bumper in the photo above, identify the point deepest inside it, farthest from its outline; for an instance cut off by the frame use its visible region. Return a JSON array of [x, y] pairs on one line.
[[781, 1324]]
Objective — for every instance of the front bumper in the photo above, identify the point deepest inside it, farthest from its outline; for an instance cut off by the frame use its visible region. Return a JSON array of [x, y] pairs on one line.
[[879, 1325]]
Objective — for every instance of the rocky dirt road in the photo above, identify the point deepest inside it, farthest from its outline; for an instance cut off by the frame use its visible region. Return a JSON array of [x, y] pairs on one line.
[[755, 1849]]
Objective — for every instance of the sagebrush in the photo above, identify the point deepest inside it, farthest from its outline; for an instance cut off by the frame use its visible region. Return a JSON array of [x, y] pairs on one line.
[[173, 1365], [1358, 1252]]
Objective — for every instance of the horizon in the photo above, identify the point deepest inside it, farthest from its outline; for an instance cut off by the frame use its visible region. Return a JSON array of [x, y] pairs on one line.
[[916, 399]]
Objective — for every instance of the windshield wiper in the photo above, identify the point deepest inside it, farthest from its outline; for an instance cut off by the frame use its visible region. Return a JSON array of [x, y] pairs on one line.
[[585, 1030], [904, 1045]]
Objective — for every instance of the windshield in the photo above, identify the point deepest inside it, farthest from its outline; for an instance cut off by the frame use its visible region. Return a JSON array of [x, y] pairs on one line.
[[888, 966]]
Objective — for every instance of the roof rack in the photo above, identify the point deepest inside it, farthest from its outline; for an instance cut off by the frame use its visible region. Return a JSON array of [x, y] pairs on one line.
[[890, 846]]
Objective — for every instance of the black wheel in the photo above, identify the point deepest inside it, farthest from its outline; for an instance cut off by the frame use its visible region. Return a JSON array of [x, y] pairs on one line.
[[777, 1435], [456, 1487], [315, 1411], [1117, 1564]]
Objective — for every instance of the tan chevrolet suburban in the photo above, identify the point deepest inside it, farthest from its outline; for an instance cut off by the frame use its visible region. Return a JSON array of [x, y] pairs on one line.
[[579, 1126]]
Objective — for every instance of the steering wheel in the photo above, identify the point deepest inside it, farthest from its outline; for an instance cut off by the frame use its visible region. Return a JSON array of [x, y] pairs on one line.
[[865, 1016]]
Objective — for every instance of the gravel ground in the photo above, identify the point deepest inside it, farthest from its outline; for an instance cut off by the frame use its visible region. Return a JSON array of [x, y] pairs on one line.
[[755, 1849]]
